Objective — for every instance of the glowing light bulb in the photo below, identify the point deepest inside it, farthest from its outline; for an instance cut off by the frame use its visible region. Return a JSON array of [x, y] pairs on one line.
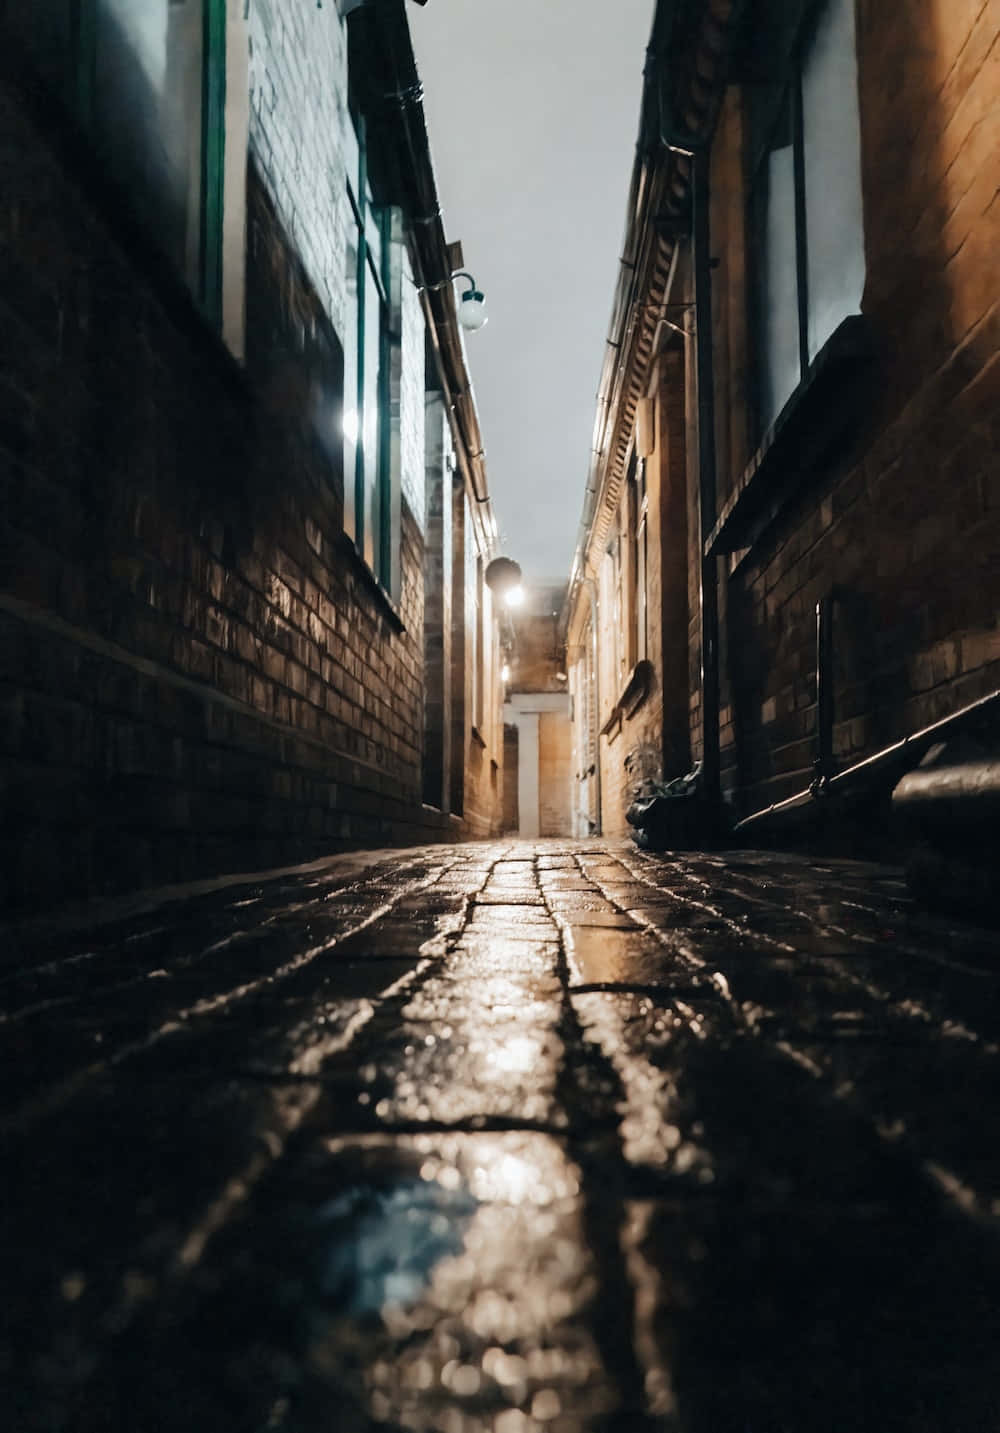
[[472, 313]]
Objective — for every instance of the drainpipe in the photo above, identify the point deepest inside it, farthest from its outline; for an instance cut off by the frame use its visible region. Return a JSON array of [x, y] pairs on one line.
[[706, 475]]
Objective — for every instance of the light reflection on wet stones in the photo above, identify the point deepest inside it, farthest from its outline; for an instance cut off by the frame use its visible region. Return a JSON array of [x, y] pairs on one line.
[[469, 1069], [451, 1287], [533, 1165]]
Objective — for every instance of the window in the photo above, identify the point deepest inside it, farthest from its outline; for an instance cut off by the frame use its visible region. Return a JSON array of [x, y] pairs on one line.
[[641, 508], [805, 192], [367, 507], [613, 633], [147, 83], [478, 650]]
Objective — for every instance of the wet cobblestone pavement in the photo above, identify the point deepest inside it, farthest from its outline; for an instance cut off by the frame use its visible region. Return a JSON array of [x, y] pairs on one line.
[[520, 1138]]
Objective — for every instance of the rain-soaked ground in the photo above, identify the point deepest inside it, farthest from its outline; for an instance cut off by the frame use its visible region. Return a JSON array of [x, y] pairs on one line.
[[528, 1138]]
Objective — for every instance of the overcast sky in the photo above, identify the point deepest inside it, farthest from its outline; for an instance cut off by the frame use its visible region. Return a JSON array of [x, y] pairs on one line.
[[533, 112]]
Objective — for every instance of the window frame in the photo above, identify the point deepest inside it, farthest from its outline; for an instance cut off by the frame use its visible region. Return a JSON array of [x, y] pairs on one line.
[[786, 105], [368, 220], [76, 92], [640, 561]]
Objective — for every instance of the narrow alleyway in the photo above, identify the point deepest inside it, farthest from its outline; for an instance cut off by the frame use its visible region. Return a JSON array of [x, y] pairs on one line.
[[505, 1137]]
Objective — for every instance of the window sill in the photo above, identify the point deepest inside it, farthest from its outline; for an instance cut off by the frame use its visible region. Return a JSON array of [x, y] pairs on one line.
[[636, 690], [368, 579], [801, 441]]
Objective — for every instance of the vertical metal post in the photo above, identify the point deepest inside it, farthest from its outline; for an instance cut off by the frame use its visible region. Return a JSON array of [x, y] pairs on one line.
[[823, 765], [700, 160]]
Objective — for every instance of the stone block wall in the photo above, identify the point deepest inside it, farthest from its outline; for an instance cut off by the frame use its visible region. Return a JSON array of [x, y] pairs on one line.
[[554, 773]]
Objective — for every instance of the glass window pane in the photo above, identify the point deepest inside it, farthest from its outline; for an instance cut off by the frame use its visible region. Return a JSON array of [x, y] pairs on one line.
[[832, 138], [351, 419], [148, 104], [777, 281], [371, 425]]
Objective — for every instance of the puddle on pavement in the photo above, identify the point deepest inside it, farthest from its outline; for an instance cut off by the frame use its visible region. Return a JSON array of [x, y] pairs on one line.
[[422, 1283]]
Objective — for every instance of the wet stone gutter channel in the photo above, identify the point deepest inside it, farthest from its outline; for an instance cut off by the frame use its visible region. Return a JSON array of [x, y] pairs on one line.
[[507, 1137]]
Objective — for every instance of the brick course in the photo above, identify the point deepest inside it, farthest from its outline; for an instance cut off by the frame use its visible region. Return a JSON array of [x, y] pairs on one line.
[[902, 525], [196, 674]]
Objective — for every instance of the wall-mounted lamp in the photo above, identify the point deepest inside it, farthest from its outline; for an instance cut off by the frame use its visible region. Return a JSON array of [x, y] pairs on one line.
[[515, 596], [472, 305], [502, 577], [505, 673]]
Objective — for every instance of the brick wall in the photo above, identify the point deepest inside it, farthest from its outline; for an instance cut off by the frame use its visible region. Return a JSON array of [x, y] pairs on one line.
[[538, 654], [653, 741], [554, 764], [196, 675], [902, 522], [298, 120], [437, 606], [510, 802]]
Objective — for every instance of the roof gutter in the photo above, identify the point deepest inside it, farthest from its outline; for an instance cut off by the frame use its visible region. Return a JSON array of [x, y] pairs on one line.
[[657, 217]]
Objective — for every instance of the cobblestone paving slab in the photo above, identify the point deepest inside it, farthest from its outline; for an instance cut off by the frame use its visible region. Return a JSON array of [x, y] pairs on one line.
[[504, 1138]]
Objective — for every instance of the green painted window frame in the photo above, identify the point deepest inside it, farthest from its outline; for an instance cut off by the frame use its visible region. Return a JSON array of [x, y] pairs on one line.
[[363, 214], [768, 115], [209, 289], [213, 157]]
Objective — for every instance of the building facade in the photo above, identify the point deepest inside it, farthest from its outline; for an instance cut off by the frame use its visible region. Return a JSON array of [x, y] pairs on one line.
[[245, 514], [790, 553], [538, 738]]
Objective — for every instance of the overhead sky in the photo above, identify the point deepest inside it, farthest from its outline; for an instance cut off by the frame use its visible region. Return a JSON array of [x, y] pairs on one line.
[[533, 112]]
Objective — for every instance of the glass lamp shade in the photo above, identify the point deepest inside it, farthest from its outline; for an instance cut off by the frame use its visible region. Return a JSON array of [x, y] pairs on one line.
[[472, 310]]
